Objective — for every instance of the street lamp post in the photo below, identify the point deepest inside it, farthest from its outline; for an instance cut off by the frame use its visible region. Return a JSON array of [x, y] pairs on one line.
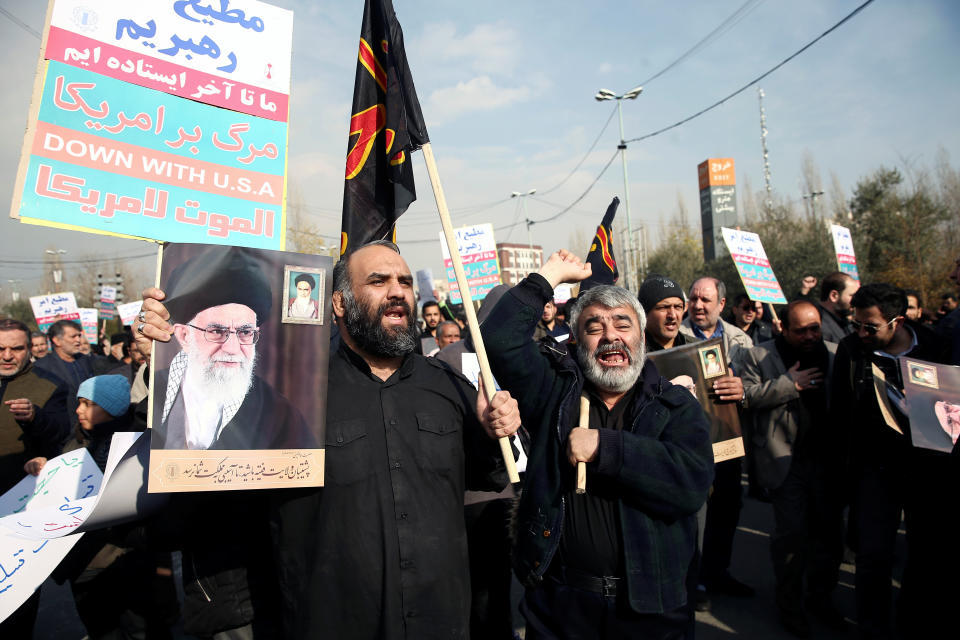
[[606, 94], [57, 267], [812, 196], [523, 208]]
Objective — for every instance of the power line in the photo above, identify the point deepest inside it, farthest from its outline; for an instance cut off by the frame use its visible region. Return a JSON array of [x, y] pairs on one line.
[[722, 28], [23, 25], [755, 80], [574, 170], [549, 219], [42, 262]]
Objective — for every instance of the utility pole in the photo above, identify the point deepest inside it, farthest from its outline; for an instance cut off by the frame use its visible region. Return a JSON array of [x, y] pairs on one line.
[[766, 156], [523, 209], [606, 94]]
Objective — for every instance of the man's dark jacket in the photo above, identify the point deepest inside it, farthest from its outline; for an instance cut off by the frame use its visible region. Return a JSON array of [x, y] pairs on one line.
[[380, 552], [832, 328], [42, 436], [868, 439], [663, 460]]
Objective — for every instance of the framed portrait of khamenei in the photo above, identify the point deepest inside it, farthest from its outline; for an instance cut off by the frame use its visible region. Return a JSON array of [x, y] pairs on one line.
[[933, 400], [696, 366], [238, 395]]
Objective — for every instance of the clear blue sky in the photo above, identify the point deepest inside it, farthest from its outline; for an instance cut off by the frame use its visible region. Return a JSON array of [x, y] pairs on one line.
[[507, 91]]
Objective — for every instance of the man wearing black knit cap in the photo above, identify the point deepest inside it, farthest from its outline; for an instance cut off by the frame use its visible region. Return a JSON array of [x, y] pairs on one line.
[[662, 300], [210, 397]]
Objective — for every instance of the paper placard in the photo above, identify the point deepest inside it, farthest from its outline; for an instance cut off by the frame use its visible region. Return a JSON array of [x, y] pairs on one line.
[[88, 320], [128, 312], [52, 307], [751, 260], [108, 302], [478, 253], [233, 54], [843, 247]]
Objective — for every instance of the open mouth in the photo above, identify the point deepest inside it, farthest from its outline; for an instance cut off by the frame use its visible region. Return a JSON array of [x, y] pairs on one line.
[[395, 314], [612, 355]]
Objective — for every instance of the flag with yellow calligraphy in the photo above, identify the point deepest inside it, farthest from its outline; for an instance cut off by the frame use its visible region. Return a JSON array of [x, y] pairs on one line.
[[601, 258], [386, 126]]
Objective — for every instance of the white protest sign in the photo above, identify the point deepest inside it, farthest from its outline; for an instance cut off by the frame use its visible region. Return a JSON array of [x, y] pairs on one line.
[[108, 301], [230, 54], [128, 312], [843, 247], [96, 501], [25, 564], [88, 320], [478, 252], [753, 266], [65, 481], [52, 307]]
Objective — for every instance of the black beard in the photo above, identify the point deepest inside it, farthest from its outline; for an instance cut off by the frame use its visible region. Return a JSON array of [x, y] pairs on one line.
[[366, 328]]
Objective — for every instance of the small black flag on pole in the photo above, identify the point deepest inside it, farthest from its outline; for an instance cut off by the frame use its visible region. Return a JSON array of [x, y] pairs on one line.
[[601, 257], [386, 126]]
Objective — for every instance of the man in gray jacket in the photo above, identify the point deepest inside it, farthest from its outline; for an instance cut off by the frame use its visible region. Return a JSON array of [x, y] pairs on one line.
[[707, 298], [785, 383]]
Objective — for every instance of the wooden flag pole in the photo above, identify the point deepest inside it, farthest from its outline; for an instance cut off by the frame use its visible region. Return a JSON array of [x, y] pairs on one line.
[[489, 386], [773, 312], [585, 423]]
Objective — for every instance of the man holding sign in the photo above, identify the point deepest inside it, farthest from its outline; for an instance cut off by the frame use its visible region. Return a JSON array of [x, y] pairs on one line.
[[380, 550], [610, 562]]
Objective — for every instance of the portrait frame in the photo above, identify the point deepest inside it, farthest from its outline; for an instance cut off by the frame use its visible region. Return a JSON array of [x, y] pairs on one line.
[[702, 353], [290, 274], [928, 378], [275, 434], [931, 410], [726, 433]]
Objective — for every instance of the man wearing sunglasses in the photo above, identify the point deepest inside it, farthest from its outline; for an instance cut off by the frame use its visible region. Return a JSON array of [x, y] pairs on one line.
[[211, 395], [887, 476]]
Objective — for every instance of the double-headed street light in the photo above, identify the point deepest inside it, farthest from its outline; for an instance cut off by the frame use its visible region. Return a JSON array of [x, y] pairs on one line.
[[57, 267], [523, 206], [606, 94]]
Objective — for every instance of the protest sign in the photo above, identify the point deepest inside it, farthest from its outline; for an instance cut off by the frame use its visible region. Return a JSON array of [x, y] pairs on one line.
[[88, 320], [230, 54], [933, 398], [155, 173], [52, 307], [42, 517], [128, 312], [751, 260], [107, 156], [695, 366], [41, 503], [73, 475], [108, 302], [71, 495], [843, 247], [562, 293], [25, 564], [267, 417], [478, 252]]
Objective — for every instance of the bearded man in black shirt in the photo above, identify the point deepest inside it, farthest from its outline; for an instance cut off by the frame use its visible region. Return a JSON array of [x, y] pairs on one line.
[[380, 551]]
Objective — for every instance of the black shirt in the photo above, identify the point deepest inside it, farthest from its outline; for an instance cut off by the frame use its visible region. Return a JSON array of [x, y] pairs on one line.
[[380, 551], [592, 541]]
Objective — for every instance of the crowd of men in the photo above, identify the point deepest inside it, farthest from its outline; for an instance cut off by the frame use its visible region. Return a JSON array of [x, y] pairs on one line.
[[622, 526]]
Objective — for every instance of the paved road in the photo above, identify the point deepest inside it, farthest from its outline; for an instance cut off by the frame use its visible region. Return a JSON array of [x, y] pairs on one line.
[[747, 618]]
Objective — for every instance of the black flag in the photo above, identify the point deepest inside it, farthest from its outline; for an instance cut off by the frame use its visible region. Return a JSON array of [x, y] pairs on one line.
[[386, 126], [601, 257]]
